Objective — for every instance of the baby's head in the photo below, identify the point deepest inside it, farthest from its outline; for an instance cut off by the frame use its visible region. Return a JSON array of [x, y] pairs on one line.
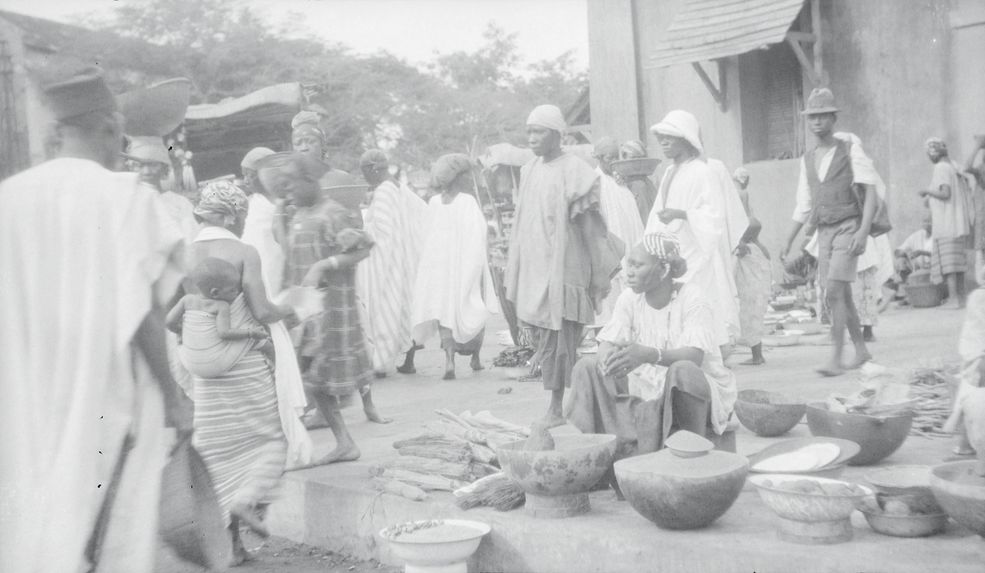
[[217, 279], [352, 239]]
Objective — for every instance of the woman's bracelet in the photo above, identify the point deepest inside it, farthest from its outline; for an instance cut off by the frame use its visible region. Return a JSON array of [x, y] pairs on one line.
[[332, 263], [660, 356]]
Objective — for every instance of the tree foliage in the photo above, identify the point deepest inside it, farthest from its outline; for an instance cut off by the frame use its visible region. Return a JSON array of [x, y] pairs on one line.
[[457, 102]]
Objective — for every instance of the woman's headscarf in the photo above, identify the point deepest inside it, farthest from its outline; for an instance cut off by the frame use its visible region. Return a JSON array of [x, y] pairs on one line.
[[662, 246], [632, 149], [222, 203], [448, 167], [308, 121]]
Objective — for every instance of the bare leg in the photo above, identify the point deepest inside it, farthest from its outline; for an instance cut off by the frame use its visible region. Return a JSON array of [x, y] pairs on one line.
[[372, 414], [475, 363], [854, 326], [835, 295], [240, 554], [345, 448], [449, 363], [690, 411], [955, 289], [757, 356], [554, 415], [408, 366], [241, 513]]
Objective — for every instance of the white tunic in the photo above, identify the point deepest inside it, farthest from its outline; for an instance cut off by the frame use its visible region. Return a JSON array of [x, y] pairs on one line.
[[686, 321]]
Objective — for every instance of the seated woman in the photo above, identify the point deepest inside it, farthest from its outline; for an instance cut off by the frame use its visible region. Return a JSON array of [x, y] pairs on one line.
[[658, 367]]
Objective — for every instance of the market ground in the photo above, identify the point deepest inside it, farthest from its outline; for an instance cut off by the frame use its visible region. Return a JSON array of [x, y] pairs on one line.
[[906, 338]]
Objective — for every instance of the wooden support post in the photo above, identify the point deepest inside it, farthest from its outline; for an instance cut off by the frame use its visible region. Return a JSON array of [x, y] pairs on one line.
[[798, 51], [818, 40], [717, 92]]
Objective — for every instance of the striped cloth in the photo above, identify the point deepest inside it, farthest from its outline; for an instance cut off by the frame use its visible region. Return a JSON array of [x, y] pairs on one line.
[[385, 280], [948, 257], [238, 432]]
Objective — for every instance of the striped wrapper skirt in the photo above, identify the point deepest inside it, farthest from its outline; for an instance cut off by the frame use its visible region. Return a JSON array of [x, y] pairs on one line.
[[238, 432], [949, 256]]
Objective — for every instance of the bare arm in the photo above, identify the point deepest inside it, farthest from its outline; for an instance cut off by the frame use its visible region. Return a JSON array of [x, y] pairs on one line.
[[256, 294], [149, 341], [791, 237], [175, 316], [334, 262], [627, 359]]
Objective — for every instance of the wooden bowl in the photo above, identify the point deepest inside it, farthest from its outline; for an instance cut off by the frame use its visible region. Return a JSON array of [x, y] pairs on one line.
[[768, 414]]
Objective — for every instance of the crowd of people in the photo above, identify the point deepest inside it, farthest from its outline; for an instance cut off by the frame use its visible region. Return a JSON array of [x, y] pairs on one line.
[[128, 309]]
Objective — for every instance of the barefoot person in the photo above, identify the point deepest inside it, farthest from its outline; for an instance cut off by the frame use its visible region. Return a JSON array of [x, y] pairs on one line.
[[560, 260], [332, 349], [753, 278], [453, 293], [827, 199], [385, 280], [658, 368], [87, 389], [246, 427], [952, 211]]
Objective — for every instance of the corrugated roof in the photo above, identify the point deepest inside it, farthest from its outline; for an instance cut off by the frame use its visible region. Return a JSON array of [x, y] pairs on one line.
[[709, 29]]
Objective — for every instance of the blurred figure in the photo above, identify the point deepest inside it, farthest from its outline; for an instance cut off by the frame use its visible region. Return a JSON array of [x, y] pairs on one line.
[[951, 211], [260, 230], [753, 278]]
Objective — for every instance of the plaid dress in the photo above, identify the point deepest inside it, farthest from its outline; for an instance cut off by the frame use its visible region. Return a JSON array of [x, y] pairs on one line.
[[333, 340]]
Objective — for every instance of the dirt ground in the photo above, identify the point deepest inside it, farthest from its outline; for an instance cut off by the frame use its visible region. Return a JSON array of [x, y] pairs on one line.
[[279, 555]]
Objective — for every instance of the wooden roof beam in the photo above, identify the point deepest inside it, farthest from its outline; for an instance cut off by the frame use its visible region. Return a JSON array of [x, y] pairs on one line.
[[719, 92]]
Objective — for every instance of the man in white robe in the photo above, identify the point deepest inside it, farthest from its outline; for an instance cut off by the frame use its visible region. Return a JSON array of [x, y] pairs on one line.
[[385, 280], [691, 206], [453, 291], [87, 258]]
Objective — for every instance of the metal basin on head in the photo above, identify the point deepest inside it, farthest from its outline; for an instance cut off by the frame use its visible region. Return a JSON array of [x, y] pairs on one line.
[[556, 482]]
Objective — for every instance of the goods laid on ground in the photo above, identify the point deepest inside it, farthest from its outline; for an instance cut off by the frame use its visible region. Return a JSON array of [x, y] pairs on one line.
[[815, 487], [453, 452], [926, 392], [497, 491], [514, 357], [806, 458]]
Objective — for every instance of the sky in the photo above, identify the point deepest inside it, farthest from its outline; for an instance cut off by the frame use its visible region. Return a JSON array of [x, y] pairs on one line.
[[410, 29]]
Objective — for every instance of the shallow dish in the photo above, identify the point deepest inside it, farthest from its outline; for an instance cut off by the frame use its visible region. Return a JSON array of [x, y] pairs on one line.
[[834, 469], [916, 525], [455, 550], [961, 493]]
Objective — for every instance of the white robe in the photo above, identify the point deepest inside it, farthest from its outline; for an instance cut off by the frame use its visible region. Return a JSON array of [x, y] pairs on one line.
[[259, 233], [622, 218], [84, 255], [453, 286], [693, 187]]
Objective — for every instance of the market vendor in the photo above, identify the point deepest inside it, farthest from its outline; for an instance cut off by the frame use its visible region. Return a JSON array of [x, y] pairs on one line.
[[658, 367]]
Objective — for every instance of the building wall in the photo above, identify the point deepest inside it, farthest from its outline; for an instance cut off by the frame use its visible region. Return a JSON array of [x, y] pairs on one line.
[[612, 69], [967, 109]]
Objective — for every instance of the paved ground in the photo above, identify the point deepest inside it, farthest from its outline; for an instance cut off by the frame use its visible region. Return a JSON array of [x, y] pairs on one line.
[[333, 507]]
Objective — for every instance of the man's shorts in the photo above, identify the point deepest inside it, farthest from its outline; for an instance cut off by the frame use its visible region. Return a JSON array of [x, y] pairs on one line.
[[834, 261]]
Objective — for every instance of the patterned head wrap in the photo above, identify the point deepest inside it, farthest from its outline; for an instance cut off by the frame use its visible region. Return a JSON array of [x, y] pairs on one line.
[[308, 121], [662, 246], [936, 145], [632, 149], [221, 203], [448, 167], [741, 175]]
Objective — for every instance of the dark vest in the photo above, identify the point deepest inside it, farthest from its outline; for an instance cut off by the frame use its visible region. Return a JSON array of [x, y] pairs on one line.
[[834, 198]]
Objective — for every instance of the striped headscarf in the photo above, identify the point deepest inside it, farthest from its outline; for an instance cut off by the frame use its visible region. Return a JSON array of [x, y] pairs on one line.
[[221, 203], [661, 245]]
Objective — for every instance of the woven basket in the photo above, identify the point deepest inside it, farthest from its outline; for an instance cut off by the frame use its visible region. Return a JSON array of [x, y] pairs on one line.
[[924, 296], [638, 167]]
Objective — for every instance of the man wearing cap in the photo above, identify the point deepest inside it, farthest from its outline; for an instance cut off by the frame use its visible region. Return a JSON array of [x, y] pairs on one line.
[[691, 205], [385, 280], [259, 229], [835, 195], [561, 259], [88, 257], [152, 162]]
